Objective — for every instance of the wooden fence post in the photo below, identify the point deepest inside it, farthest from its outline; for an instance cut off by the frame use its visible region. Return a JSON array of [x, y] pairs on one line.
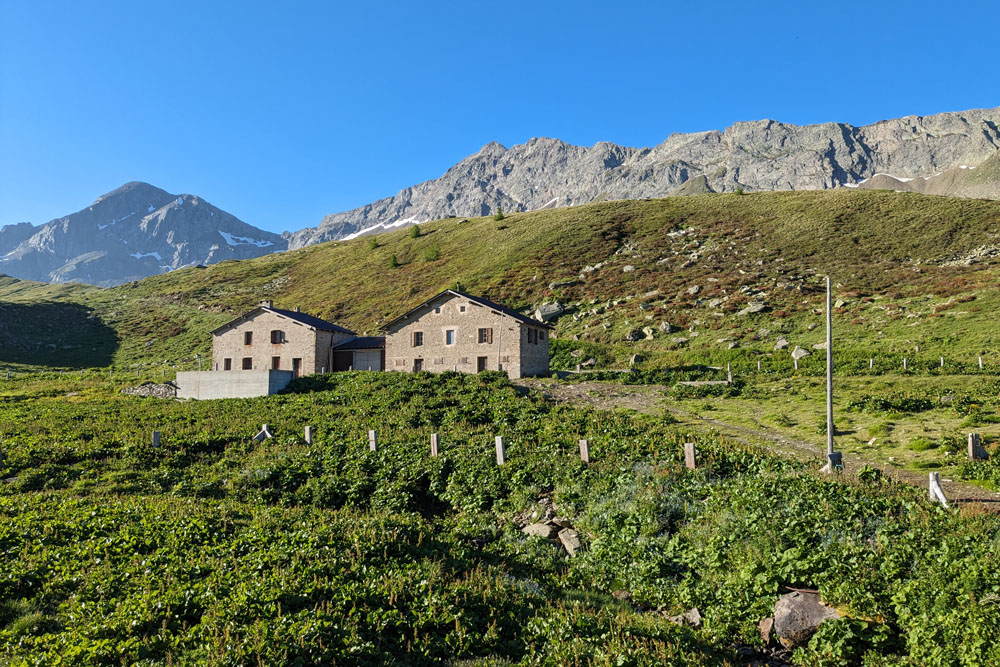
[[434, 444], [309, 435], [585, 451], [871, 363], [976, 450], [980, 364], [758, 364], [689, 461], [372, 441], [904, 363], [156, 438], [942, 362], [501, 451]]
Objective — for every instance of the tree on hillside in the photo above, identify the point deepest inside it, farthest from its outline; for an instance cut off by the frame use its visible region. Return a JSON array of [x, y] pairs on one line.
[[499, 216]]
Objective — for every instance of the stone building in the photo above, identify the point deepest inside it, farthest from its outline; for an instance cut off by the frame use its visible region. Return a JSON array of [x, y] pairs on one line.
[[458, 331], [269, 338]]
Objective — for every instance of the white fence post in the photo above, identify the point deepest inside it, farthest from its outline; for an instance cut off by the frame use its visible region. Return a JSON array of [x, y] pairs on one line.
[[434, 444], [501, 451], [309, 435], [372, 441], [689, 460], [934, 490], [585, 451]]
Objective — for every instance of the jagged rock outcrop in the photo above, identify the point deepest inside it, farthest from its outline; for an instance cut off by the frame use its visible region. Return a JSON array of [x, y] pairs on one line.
[[130, 233], [752, 156]]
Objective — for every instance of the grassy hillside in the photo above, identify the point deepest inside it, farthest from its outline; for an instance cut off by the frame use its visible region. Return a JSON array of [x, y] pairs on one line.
[[900, 261]]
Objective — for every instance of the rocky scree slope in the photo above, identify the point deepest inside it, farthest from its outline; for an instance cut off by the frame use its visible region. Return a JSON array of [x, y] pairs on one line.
[[130, 233], [752, 156]]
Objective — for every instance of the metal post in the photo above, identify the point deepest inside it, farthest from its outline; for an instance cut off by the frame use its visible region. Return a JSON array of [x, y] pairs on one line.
[[156, 438], [309, 435], [829, 373], [434, 444]]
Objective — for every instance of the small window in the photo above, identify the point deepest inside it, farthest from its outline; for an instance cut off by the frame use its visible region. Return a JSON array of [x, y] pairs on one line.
[[461, 308], [417, 339], [275, 363], [463, 360], [227, 364], [449, 337], [437, 311], [248, 338], [418, 365], [277, 337], [248, 363], [541, 334], [400, 362], [486, 335]]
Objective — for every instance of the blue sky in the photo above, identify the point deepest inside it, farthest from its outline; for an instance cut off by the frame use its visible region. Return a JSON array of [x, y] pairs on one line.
[[283, 112]]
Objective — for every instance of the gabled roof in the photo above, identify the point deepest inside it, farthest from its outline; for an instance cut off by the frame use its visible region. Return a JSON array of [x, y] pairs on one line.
[[362, 343], [310, 321], [524, 319]]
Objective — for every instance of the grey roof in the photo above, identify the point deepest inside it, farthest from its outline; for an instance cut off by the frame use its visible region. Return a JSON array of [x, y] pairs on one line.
[[477, 299], [362, 343], [302, 318]]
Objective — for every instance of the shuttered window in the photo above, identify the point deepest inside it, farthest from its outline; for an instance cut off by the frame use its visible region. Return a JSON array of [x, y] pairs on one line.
[[486, 335], [416, 339]]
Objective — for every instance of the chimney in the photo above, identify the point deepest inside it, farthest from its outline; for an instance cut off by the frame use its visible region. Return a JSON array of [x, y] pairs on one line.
[[267, 304], [297, 309]]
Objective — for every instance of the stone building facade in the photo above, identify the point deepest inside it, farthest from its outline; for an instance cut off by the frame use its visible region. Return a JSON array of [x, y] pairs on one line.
[[269, 338], [458, 331]]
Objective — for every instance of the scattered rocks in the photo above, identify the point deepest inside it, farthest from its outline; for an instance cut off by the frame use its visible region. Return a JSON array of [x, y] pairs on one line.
[[839, 303], [733, 345], [694, 289], [628, 268], [715, 303], [165, 390], [563, 283], [819, 346], [576, 353], [589, 362], [649, 332], [633, 335], [680, 340], [665, 327], [781, 344], [811, 326], [798, 615]]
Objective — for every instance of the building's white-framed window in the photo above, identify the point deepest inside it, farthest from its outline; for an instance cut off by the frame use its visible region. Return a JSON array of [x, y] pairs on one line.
[[416, 339], [449, 336], [248, 338], [277, 337]]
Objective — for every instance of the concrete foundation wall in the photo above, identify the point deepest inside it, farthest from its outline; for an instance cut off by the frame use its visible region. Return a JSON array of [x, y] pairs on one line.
[[233, 384]]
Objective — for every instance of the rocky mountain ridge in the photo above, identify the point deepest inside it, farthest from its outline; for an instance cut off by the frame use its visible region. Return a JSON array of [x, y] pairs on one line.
[[752, 156], [130, 233]]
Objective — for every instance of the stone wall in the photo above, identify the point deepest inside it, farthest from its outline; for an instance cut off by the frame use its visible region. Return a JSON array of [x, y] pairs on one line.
[[300, 342], [506, 338]]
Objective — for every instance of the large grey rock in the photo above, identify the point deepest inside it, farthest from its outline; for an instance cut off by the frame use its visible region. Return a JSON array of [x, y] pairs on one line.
[[755, 156], [570, 540], [131, 233], [798, 615], [799, 353], [781, 344], [546, 530], [752, 308], [549, 311]]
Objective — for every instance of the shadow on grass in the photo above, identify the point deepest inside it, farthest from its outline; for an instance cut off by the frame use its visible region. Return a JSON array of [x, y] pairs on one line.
[[62, 335]]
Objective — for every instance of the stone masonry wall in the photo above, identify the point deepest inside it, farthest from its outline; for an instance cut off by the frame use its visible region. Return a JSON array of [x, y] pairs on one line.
[[503, 352], [301, 342]]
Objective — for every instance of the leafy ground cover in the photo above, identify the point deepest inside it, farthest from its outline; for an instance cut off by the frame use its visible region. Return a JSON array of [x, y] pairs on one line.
[[213, 548]]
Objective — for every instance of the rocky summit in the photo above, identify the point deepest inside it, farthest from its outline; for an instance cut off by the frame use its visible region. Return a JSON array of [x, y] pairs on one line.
[[130, 233], [749, 156]]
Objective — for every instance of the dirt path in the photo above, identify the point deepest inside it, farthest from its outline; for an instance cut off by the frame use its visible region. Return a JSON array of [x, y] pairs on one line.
[[649, 399]]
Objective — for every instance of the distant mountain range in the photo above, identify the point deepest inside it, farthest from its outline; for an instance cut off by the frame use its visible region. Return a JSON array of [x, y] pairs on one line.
[[130, 233], [139, 230], [752, 156]]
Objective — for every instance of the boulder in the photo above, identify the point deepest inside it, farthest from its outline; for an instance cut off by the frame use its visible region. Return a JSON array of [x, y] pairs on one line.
[[549, 311], [576, 353], [648, 332], [680, 340], [665, 327], [589, 362], [752, 308], [694, 289], [570, 540], [839, 303], [799, 353], [546, 530], [628, 268], [563, 283], [733, 345], [819, 346], [633, 335], [781, 344], [798, 615], [691, 617], [715, 303], [634, 359]]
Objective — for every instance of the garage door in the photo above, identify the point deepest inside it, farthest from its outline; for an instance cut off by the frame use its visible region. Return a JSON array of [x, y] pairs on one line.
[[368, 359]]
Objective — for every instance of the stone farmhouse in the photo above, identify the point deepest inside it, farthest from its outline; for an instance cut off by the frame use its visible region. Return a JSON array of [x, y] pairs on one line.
[[461, 332], [269, 338]]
